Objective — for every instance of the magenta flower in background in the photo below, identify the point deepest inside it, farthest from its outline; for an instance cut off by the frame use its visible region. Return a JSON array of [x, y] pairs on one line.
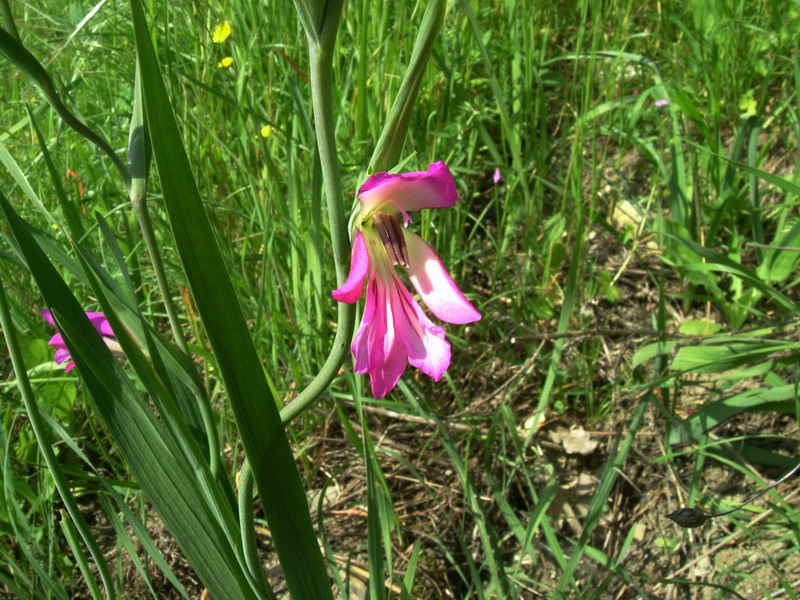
[[662, 102], [57, 341], [394, 329], [497, 177]]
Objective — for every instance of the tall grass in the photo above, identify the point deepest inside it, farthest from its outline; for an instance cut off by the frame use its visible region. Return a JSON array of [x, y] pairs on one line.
[[636, 267]]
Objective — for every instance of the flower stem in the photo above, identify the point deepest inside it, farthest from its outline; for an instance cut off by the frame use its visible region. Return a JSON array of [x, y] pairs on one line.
[[694, 517], [148, 235], [138, 165], [248, 529], [322, 98], [150, 241], [320, 51]]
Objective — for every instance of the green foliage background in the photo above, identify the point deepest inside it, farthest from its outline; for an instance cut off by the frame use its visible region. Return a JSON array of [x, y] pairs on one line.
[[603, 194]]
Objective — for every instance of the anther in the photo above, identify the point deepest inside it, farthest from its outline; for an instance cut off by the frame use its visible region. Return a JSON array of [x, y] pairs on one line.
[[391, 233]]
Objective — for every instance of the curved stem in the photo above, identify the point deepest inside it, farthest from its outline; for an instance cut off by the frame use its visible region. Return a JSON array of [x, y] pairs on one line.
[[327, 372], [322, 98], [246, 525], [14, 51], [139, 155], [206, 414]]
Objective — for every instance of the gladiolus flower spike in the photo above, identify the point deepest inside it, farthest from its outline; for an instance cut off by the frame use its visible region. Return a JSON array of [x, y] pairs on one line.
[[394, 329], [62, 354]]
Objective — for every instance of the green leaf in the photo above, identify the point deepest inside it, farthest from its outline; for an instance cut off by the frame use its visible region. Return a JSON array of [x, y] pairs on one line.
[[719, 262], [651, 351], [699, 327], [716, 412], [708, 358], [68, 208], [780, 262], [151, 452], [22, 181], [254, 408]]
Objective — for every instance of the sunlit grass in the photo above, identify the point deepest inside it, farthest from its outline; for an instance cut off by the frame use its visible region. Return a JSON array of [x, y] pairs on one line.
[[565, 100]]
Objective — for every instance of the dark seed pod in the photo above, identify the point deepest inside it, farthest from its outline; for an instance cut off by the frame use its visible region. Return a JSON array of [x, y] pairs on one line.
[[688, 517]]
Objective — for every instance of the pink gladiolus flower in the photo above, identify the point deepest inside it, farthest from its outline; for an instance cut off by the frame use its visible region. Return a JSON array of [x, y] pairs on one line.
[[57, 341], [394, 329]]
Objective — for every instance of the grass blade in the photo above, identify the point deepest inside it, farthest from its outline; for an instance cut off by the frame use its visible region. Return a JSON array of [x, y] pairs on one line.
[[16, 53], [254, 407], [150, 451]]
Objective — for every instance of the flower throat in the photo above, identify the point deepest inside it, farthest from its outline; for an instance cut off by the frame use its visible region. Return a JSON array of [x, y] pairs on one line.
[[391, 234]]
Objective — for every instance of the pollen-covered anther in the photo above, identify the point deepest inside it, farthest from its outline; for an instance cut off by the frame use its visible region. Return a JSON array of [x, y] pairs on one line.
[[391, 233]]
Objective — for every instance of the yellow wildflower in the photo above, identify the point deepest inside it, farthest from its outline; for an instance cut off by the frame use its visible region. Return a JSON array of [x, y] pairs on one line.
[[266, 130], [221, 32], [225, 62]]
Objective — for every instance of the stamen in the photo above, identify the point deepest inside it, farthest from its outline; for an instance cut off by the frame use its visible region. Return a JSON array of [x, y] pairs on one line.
[[391, 233]]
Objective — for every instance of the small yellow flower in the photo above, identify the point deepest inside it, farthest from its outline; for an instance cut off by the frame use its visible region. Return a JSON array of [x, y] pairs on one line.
[[54, 226], [225, 62], [266, 131], [221, 32]]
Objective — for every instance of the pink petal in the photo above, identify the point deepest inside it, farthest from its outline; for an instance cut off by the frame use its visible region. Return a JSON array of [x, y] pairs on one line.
[[384, 377], [386, 372], [97, 319], [424, 342], [433, 188], [57, 341], [434, 284], [375, 346], [360, 347], [352, 289], [100, 324], [378, 330], [62, 355], [396, 331]]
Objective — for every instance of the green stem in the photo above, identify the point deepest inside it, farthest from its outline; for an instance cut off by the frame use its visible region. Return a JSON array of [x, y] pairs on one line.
[[390, 144], [759, 494], [42, 437], [138, 163], [321, 71], [150, 241], [139, 154], [248, 530], [341, 345], [149, 237], [322, 98]]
